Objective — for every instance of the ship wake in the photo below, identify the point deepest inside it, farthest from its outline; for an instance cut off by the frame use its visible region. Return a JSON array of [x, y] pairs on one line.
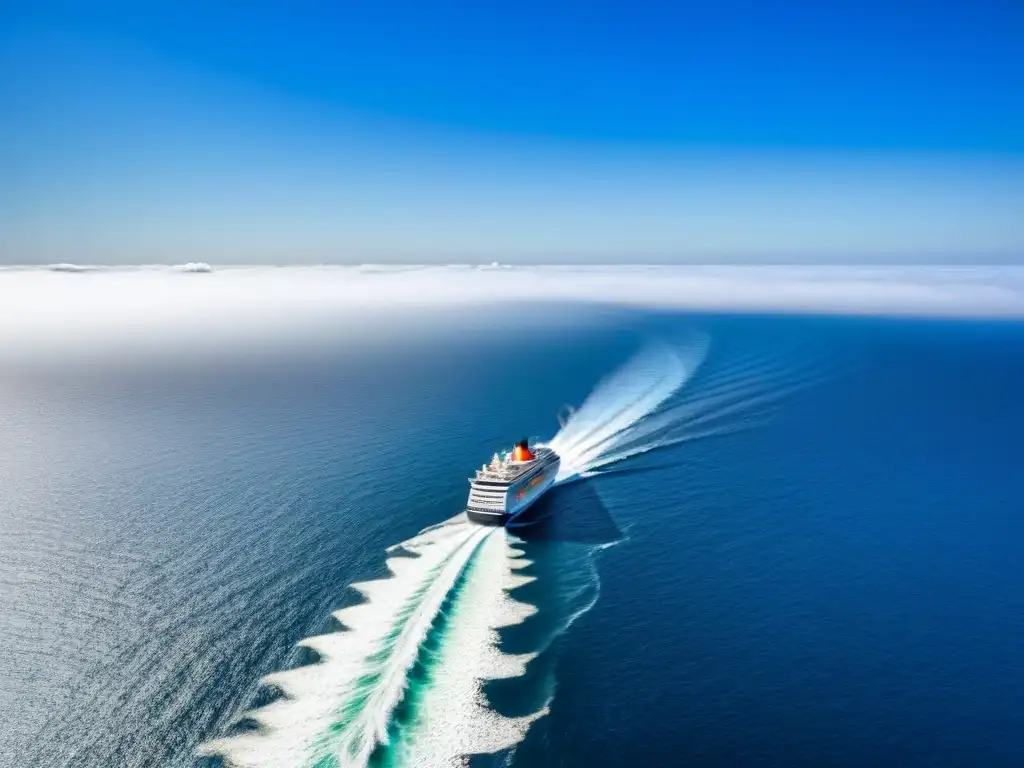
[[405, 679], [672, 393], [400, 684]]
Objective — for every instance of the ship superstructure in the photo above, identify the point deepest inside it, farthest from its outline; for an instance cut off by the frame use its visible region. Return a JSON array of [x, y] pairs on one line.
[[503, 490]]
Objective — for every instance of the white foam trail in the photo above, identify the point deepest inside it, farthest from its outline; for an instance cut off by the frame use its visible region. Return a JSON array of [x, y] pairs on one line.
[[340, 711], [653, 402], [631, 393], [454, 719], [680, 423], [340, 707]]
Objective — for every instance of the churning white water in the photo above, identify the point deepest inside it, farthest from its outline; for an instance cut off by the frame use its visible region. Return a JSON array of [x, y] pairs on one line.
[[656, 400], [340, 710]]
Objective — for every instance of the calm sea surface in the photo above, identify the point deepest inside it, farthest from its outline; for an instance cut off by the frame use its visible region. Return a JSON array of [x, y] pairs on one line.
[[817, 562]]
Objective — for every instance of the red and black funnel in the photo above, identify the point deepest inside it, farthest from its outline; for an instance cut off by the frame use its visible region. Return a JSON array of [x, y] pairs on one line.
[[522, 451]]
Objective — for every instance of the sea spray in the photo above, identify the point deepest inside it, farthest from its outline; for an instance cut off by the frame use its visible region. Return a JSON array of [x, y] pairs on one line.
[[657, 400], [630, 394], [446, 601], [453, 718], [339, 708]]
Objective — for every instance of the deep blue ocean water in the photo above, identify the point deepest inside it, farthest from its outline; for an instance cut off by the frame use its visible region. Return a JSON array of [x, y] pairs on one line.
[[825, 571]]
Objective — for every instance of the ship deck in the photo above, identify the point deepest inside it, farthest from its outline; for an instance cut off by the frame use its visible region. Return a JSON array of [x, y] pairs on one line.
[[510, 472]]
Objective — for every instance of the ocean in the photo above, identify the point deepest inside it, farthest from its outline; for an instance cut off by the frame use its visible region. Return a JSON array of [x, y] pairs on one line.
[[778, 541]]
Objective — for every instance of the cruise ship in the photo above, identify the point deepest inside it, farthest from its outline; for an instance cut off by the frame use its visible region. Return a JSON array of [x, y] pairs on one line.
[[504, 489]]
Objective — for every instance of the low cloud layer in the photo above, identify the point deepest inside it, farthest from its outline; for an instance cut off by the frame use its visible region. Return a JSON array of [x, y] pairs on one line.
[[48, 312]]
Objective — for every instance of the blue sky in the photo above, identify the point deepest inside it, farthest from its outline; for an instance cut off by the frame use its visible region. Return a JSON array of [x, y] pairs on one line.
[[454, 132]]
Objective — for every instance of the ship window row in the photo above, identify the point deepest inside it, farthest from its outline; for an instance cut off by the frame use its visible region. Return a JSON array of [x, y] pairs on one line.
[[487, 507], [485, 510], [491, 499], [487, 502], [488, 494]]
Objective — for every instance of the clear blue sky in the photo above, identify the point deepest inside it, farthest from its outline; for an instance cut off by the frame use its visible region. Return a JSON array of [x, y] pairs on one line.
[[527, 131]]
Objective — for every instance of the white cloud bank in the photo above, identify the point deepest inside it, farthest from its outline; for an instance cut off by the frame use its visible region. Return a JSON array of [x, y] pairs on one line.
[[46, 312], [193, 266]]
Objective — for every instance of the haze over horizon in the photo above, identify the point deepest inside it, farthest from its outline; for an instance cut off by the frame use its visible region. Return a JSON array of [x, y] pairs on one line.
[[523, 134]]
